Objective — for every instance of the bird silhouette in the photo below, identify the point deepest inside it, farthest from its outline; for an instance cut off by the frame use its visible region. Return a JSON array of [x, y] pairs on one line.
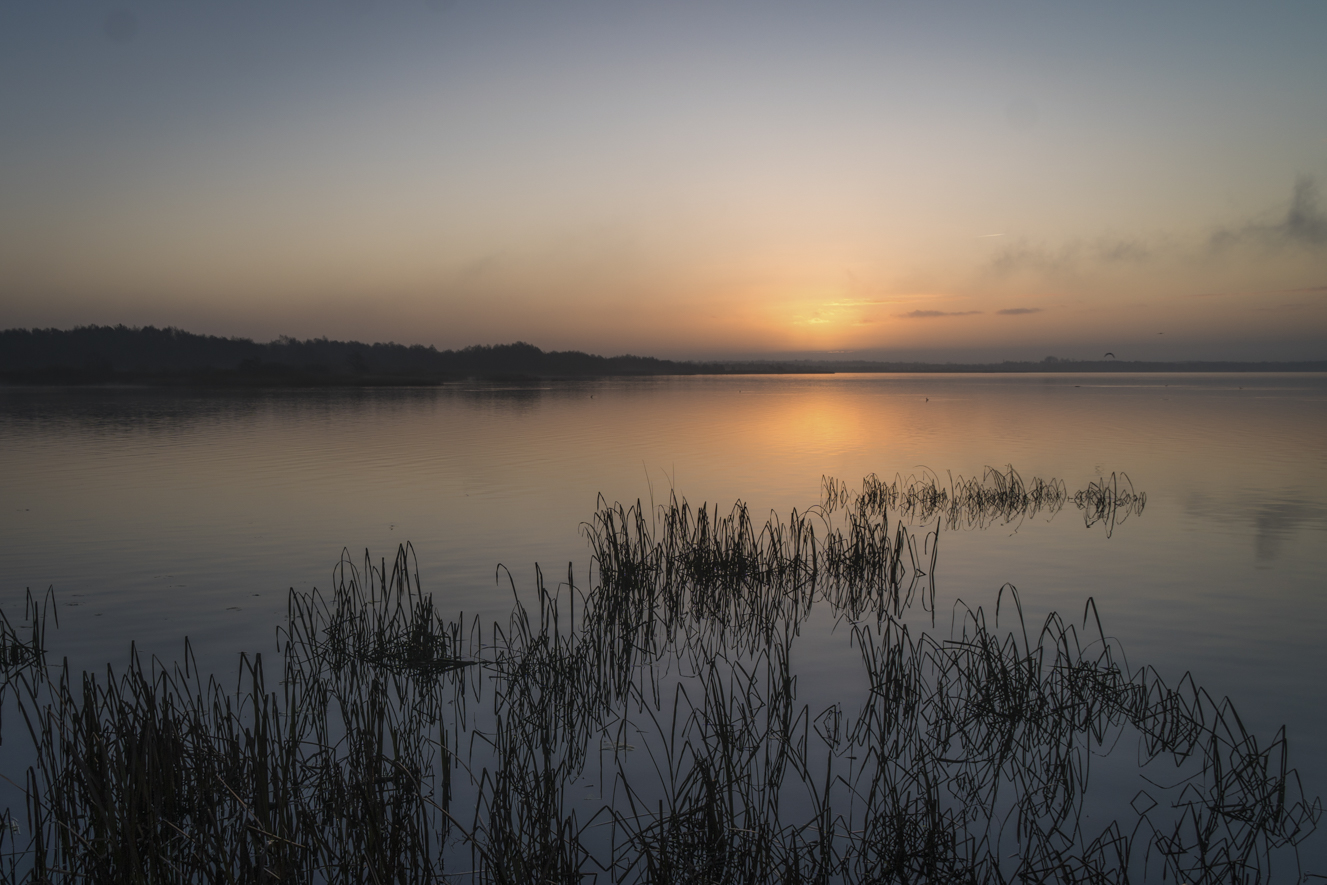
[[1108, 354]]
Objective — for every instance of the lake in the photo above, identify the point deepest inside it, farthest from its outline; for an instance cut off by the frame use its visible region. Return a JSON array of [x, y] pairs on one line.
[[161, 514]]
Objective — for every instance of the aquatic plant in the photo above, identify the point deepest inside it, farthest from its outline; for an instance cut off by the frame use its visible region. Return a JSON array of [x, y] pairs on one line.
[[649, 728], [338, 775], [20, 654], [388, 624], [1109, 502], [997, 497]]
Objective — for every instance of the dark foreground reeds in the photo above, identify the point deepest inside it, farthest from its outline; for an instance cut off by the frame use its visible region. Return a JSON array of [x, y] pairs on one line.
[[21, 653], [336, 771], [649, 728]]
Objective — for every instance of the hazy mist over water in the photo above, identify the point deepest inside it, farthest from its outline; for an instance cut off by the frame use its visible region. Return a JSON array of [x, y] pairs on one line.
[[157, 514]]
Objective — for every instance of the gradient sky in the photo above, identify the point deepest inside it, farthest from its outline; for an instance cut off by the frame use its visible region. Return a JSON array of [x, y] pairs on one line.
[[894, 180]]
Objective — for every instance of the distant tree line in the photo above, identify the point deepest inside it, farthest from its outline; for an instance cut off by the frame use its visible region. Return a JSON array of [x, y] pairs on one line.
[[111, 354]]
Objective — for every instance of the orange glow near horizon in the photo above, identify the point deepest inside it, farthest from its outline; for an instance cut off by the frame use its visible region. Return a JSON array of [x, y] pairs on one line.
[[674, 180]]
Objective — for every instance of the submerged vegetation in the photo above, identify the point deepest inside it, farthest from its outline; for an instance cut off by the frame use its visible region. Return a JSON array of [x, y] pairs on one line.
[[1110, 501], [654, 726], [997, 497]]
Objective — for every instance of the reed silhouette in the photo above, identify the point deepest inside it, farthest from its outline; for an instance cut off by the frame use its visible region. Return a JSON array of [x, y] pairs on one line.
[[648, 727]]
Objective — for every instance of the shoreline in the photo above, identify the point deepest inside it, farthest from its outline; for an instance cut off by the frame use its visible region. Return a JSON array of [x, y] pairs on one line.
[[293, 378]]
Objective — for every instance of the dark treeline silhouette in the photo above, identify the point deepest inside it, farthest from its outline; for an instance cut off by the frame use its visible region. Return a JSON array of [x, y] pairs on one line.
[[91, 354], [108, 354]]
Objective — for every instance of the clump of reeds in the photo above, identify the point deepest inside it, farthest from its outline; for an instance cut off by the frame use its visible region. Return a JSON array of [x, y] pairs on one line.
[[1110, 501], [26, 652], [658, 573], [342, 774], [996, 497], [375, 618], [688, 571]]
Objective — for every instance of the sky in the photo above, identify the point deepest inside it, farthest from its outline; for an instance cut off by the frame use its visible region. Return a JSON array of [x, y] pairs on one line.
[[719, 179]]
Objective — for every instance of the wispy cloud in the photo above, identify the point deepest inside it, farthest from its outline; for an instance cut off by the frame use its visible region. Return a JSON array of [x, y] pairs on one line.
[[1104, 250], [1018, 311], [1133, 251], [1304, 224], [868, 302], [1301, 224], [1306, 290], [1297, 291], [927, 314]]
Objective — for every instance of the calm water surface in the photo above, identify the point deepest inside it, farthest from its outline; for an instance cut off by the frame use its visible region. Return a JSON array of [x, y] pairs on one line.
[[157, 515]]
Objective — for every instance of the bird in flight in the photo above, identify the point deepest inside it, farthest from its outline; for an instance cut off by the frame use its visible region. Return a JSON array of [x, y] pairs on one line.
[[1108, 354]]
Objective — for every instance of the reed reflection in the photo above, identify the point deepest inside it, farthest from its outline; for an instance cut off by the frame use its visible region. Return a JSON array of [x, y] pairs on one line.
[[648, 727]]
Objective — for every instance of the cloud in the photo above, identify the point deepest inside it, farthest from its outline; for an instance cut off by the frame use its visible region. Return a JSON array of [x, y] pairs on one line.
[[927, 314], [1018, 311], [1304, 224], [1022, 256], [1296, 291], [866, 302], [1103, 250], [1123, 251], [1304, 290]]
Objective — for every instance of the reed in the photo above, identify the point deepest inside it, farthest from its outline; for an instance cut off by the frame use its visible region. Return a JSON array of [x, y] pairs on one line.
[[1110, 501], [25, 653], [648, 728], [338, 774], [997, 497]]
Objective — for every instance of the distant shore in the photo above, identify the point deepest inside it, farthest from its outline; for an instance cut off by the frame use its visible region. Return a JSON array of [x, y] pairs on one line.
[[92, 355]]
